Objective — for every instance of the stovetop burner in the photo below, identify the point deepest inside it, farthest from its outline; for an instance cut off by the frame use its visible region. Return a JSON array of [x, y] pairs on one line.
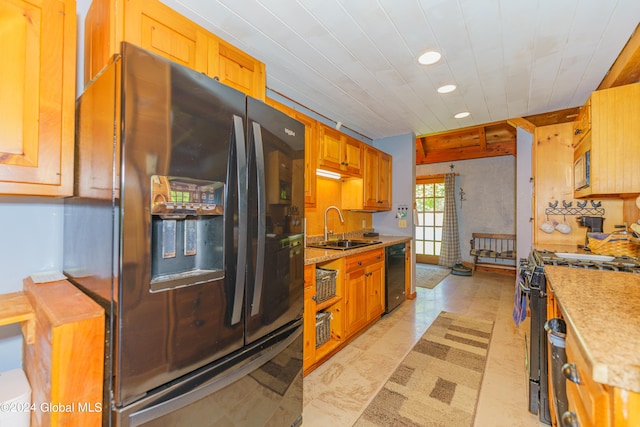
[[625, 264]]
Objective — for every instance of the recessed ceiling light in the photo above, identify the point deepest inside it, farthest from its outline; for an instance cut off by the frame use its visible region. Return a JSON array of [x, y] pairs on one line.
[[429, 58], [462, 115], [446, 88]]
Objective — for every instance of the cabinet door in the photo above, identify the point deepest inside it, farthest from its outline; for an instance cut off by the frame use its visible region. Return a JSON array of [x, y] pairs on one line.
[[235, 68], [310, 159], [161, 30], [353, 156], [355, 301], [375, 290], [582, 125], [37, 107], [370, 175], [615, 136], [384, 182], [331, 148], [309, 330]]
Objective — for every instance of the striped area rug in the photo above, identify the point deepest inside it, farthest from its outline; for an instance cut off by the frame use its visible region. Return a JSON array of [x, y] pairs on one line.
[[438, 382]]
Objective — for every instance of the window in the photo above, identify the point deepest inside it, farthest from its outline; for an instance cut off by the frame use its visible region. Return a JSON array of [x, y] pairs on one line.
[[430, 209]]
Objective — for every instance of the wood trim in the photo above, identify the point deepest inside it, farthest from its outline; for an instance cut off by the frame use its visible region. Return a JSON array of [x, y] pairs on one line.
[[626, 68], [522, 123], [430, 179]]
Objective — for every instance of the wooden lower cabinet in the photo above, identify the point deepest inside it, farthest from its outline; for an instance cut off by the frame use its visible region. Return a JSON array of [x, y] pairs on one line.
[[374, 284], [355, 301], [309, 330], [65, 361], [358, 303], [592, 404]]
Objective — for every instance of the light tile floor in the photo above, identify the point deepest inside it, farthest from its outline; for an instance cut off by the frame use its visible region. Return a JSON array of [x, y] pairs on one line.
[[337, 392]]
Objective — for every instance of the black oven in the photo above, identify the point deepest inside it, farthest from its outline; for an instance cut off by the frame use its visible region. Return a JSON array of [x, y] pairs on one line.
[[535, 285]]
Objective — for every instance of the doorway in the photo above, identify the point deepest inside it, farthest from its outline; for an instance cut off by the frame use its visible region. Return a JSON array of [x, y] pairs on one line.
[[430, 210]]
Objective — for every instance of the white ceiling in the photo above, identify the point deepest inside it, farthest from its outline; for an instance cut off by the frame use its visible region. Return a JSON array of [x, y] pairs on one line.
[[355, 61]]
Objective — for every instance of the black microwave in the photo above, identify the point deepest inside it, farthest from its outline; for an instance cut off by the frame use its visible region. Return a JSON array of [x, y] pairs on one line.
[[582, 171]]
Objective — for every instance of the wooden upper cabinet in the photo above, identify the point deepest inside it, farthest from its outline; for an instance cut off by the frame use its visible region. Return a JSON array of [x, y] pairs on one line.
[[310, 158], [161, 30], [377, 179], [582, 125], [373, 191], [38, 103], [613, 142], [310, 149], [371, 176], [235, 68], [353, 156], [339, 152], [384, 182]]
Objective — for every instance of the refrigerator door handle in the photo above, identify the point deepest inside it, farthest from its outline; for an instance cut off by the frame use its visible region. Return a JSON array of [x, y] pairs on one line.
[[262, 222], [241, 159]]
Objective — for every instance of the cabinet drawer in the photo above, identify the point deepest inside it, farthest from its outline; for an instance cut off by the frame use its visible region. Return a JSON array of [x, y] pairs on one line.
[[590, 399], [364, 259]]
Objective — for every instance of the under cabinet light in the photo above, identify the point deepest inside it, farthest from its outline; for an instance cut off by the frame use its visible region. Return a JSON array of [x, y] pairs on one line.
[[462, 115], [327, 174]]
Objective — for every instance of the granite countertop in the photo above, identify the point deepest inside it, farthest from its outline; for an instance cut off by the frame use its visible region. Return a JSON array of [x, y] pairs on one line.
[[315, 255], [603, 308]]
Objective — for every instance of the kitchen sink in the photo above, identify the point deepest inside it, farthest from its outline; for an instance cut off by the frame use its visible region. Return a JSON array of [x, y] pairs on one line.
[[343, 244]]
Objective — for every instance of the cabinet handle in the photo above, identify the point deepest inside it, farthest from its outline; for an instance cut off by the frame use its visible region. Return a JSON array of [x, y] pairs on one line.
[[570, 419], [359, 262], [577, 132], [570, 372]]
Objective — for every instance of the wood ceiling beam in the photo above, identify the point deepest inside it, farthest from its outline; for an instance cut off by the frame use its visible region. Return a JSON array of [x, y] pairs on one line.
[[626, 68], [492, 139], [466, 153], [522, 123]]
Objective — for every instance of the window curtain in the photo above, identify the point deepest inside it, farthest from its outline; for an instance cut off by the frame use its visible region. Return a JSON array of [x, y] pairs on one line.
[[450, 249]]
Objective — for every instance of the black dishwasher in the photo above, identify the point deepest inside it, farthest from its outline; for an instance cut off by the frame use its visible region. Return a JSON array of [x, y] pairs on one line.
[[394, 293]]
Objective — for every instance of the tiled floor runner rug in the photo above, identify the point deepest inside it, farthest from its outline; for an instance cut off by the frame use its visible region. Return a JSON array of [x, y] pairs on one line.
[[438, 382]]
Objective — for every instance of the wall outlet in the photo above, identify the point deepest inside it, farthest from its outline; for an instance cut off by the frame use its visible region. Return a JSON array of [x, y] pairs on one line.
[[364, 223], [402, 223]]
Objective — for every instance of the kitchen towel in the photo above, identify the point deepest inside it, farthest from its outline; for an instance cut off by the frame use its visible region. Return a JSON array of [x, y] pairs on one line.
[[519, 301]]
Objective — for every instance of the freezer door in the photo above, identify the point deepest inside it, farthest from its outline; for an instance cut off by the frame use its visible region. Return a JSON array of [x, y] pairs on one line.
[[275, 265], [179, 305], [260, 387]]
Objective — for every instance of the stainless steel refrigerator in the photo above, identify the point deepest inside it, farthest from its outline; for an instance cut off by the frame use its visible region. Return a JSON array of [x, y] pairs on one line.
[[181, 227]]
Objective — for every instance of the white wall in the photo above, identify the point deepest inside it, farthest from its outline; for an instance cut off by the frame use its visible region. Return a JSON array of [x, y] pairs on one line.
[[489, 190], [524, 194]]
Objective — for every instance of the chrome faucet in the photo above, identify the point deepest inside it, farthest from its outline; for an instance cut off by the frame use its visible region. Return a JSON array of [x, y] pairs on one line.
[[326, 231]]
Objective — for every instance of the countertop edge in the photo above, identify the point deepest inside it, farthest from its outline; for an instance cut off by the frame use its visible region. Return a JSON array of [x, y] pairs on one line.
[[609, 354], [315, 255]]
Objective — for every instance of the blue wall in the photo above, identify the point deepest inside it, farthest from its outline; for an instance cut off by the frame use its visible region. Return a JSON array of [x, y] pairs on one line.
[[31, 243], [489, 193], [403, 150]]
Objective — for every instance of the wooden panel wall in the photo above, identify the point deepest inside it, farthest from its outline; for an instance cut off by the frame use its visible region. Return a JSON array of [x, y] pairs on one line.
[[553, 172]]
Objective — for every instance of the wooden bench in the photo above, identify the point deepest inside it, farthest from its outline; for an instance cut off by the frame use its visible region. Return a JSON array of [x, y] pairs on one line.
[[493, 250]]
